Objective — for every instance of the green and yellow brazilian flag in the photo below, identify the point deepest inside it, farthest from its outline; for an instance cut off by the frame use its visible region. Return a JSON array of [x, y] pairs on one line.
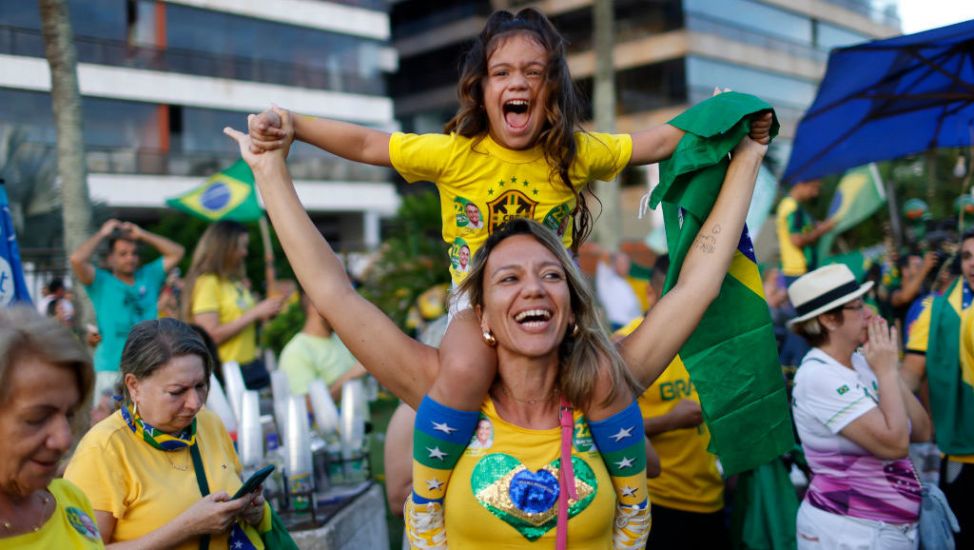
[[732, 356], [227, 195]]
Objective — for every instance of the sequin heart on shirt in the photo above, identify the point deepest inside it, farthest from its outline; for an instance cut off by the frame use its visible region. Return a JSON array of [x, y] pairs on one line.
[[528, 500]]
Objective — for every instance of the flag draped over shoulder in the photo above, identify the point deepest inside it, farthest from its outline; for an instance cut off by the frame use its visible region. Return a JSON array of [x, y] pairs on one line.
[[732, 355], [13, 288], [859, 194], [227, 195], [950, 369]]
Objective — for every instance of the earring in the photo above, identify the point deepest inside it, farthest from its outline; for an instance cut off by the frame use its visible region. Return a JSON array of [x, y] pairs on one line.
[[135, 408], [575, 330], [489, 338]]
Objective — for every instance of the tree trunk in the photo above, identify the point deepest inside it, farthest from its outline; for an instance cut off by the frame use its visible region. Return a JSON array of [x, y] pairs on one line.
[[66, 102], [608, 228]]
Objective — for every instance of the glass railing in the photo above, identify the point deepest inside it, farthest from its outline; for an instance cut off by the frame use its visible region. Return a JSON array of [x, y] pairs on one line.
[[119, 160], [28, 42], [887, 15], [438, 18], [703, 23]]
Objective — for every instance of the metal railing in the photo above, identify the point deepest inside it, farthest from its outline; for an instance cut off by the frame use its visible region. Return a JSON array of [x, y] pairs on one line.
[[29, 42], [699, 22], [108, 160]]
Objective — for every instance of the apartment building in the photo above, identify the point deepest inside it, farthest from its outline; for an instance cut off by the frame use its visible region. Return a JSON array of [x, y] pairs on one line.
[[160, 79]]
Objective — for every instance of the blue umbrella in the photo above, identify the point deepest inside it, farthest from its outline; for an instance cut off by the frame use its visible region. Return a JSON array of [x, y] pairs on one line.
[[886, 99], [13, 288]]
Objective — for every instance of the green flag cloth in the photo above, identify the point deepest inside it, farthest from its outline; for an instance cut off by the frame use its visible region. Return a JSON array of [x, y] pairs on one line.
[[765, 509], [227, 195], [950, 370], [732, 356], [859, 195]]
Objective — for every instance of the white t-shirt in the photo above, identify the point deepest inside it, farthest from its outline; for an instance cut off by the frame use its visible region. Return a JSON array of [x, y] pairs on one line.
[[616, 295], [847, 479]]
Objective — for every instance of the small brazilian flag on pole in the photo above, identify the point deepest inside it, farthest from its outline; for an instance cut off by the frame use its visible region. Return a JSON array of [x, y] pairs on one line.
[[227, 195]]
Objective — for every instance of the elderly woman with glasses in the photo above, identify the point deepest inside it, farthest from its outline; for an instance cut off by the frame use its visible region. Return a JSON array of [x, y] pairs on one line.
[[856, 419]]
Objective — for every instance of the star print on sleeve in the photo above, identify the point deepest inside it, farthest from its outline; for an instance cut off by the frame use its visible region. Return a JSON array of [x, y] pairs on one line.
[[622, 434], [628, 491], [626, 462], [443, 427], [436, 453], [435, 484]]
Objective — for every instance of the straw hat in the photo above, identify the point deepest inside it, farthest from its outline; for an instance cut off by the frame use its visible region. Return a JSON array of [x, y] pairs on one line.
[[824, 289]]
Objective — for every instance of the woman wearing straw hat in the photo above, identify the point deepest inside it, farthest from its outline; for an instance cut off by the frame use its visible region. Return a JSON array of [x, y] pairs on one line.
[[856, 419]]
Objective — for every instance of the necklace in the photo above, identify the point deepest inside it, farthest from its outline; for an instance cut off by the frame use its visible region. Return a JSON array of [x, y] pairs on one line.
[[544, 399], [45, 501]]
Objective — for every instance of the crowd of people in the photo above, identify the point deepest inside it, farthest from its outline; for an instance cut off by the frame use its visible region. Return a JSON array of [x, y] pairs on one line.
[[555, 409]]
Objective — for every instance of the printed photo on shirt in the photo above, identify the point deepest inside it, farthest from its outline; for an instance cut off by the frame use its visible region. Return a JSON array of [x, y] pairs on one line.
[[460, 256], [468, 214], [483, 438]]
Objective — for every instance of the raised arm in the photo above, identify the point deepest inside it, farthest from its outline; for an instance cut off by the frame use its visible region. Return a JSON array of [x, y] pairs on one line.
[[400, 363], [172, 252], [81, 257], [651, 347], [349, 141], [659, 142]]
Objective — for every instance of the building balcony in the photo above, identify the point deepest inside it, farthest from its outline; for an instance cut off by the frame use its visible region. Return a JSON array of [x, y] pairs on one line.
[[28, 42]]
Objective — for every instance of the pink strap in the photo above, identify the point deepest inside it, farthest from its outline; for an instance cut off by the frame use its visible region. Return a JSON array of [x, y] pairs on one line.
[[566, 473]]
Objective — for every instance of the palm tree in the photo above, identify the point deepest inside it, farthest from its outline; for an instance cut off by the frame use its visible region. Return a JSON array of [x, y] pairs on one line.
[[608, 228], [66, 101], [30, 170]]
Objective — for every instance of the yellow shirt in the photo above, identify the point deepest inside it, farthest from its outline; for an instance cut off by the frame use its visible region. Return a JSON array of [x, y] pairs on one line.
[[689, 480], [791, 219], [145, 488], [483, 184], [72, 525], [229, 299], [503, 491]]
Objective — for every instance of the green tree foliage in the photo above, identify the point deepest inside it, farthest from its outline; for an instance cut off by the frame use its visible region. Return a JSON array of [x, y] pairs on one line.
[[925, 176], [411, 260]]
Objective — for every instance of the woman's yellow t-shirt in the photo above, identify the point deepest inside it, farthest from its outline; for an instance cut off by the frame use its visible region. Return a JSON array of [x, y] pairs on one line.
[[72, 525], [503, 491], [145, 488], [229, 299]]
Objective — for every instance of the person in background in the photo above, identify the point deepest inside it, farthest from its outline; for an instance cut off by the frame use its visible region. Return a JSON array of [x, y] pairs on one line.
[[55, 293], [855, 417], [124, 294], [317, 353], [940, 350], [138, 466], [616, 295], [46, 376], [688, 493], [217, 298], [798, 232]]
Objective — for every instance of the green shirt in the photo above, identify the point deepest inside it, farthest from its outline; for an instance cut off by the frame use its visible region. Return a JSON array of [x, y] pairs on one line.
[[120, 306], [307, 358]]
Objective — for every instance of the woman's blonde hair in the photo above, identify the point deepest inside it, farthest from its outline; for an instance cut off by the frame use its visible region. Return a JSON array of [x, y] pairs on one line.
[[580, 354], [25, 333], [216, 254]]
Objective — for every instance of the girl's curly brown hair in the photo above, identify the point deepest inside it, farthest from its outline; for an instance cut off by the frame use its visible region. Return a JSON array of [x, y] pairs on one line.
[[562, 109]]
